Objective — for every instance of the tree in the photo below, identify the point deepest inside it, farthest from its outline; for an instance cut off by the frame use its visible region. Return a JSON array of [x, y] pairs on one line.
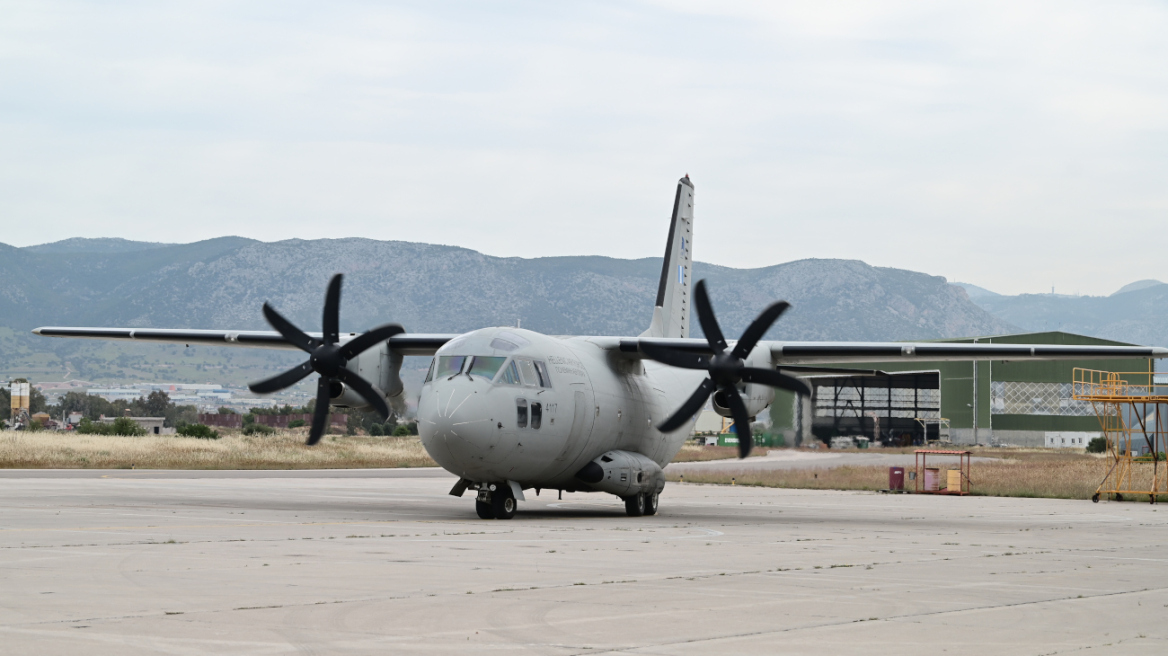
[[88, 405], [154, 404], [375, 430], [1097, 445], [199, 431]]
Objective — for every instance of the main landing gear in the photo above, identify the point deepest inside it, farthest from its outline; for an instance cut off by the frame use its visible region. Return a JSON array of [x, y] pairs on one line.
[[641, 504]]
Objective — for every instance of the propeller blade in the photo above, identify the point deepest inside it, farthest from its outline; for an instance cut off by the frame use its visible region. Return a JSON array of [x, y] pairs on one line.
[[294, 335], [364, 341], [362, 387], [775, 379], [321, 412], [331, 321], [674, 357], [707, 319], [281, 381], [689, 408], [741, 420], [758, 328]]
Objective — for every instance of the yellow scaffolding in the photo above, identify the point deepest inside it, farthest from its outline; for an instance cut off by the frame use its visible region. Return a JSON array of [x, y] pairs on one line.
[[1130, 406]]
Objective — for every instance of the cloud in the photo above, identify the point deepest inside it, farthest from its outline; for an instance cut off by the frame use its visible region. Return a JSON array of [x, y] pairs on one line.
[[1011, 145]]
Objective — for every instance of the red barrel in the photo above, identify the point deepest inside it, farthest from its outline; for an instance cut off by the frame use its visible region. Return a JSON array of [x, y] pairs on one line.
[[896, 478]]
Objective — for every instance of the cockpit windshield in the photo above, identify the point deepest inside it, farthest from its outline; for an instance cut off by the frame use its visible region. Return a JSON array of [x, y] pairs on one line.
[[500, 370], [485, 366], [449, 365]]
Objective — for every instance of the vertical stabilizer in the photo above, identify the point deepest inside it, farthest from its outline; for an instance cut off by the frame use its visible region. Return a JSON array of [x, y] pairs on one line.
[[671, 313]]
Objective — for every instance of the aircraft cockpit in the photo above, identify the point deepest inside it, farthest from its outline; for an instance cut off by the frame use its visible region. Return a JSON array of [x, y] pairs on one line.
[[518, 371]]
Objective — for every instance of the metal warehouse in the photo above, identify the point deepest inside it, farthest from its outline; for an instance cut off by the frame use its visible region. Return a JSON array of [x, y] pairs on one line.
[[992, 402]]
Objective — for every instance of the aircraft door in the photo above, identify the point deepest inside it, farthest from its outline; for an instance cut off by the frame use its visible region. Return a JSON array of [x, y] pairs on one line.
[[583, 414]]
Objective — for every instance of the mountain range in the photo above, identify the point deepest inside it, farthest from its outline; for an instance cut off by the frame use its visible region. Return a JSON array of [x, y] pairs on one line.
[[221, 283]]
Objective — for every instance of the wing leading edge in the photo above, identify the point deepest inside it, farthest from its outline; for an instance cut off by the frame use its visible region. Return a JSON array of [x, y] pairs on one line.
[[405, 344], [810, 353]]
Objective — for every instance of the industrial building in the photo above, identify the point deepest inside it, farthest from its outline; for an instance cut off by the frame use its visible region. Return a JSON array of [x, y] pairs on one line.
[[993, 403]]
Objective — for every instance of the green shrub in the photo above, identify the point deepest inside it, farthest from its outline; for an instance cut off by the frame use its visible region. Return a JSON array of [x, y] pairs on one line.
[[1097, 445], [257, 429], [401, 431], [375, 429], [120, 426], [128, 427], [200, 431], [296, 423]]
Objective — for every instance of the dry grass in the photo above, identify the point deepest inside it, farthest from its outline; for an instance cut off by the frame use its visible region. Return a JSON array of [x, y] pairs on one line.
[[696, 453], [282, 450], [1012, 473]]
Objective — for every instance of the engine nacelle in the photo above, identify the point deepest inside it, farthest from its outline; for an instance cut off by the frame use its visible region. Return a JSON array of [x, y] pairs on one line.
[[381, 367], [623, 473], [756, 397]]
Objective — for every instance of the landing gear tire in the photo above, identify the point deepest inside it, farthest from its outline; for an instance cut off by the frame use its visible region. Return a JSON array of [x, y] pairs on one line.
[[635, 505], [1095, 498], [484, 510], [650, 503], [503, 505]]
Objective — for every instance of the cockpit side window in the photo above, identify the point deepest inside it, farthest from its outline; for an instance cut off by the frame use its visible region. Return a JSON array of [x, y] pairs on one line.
[[449, 365], [521, 413], [536, 414], [509, 375], [485, 366], [430, 372], [544, 379], [527, 370]]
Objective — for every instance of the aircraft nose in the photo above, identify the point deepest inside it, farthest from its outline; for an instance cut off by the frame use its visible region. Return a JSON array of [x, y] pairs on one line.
[[455, 426]]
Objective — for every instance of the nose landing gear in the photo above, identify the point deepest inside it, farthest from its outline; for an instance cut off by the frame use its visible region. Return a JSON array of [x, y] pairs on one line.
[[498, 503]]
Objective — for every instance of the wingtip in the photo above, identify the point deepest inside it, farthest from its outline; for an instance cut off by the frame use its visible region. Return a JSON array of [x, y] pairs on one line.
[[37, 331]]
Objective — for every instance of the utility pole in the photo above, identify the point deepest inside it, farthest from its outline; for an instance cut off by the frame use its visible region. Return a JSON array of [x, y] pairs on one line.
[[975, 436]]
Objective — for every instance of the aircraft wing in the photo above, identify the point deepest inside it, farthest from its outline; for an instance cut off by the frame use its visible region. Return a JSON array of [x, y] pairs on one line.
[[812, 353], [406, 343]]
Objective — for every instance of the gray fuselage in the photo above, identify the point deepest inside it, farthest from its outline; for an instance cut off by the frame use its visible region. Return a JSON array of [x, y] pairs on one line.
[[570, 402]]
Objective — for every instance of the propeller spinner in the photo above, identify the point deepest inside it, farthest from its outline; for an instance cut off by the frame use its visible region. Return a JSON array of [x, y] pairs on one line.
[[327, 358], [726, 368]]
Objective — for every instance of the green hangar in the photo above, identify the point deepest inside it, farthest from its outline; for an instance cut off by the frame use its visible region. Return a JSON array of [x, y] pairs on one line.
[[990, 403]]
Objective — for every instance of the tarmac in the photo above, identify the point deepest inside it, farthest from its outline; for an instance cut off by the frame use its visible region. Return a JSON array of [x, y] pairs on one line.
[[384, 561], [799, 459]]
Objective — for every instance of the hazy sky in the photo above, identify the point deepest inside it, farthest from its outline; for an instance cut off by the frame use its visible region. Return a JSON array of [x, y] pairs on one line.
[[1014, 145]]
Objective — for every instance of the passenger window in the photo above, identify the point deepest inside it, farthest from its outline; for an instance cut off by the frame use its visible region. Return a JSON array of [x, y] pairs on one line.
[[510, 375], [521, 413], [541, 369], [486, 367], [450, 365], [536, 414], [430, 372], [528, 371]]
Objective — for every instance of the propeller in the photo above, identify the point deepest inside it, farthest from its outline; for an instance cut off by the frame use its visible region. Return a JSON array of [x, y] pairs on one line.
[[727, 368], [327, 358]]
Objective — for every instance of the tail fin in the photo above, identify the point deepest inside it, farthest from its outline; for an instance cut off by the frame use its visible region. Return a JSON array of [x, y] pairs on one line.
[[671, 313]]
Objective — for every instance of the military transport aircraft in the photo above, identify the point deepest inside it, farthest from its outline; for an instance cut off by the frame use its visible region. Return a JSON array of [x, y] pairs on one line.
[[507, 409]]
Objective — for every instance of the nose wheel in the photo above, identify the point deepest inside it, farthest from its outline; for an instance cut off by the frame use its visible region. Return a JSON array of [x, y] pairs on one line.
[[484, 509], [497, 504]]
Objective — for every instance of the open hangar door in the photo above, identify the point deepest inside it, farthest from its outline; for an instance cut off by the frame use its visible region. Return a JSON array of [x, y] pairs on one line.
[[884, 408]]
